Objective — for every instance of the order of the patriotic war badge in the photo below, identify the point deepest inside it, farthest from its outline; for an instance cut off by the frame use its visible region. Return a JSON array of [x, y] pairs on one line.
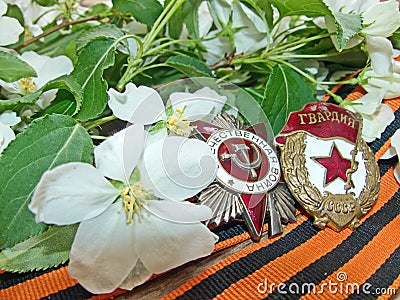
[[328, 167], [247, 182]]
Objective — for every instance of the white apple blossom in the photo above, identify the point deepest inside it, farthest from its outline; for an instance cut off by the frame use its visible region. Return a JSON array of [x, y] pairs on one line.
[[379, 18], [10, 27], [237, 28], [47, 68], [144, 105], [7, 119], [371, 80], [130, 230], [376, 115]]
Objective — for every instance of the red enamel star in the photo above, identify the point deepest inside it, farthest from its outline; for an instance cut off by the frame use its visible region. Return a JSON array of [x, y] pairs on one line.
[[335, 165]]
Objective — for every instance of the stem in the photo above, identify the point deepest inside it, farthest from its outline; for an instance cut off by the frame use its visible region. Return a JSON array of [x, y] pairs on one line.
[[337, 98], [285, 46], [63, 24], [98, 122], [158, 25], [161, 21], [162, 46], [98, 137], [316, 56]]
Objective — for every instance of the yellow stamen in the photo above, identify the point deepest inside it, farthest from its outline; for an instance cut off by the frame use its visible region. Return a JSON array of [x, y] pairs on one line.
[[28, 86], [179, 124], [133, 198]]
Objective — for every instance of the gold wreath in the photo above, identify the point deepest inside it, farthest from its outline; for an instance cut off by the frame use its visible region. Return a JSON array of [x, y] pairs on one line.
[[297, 177]]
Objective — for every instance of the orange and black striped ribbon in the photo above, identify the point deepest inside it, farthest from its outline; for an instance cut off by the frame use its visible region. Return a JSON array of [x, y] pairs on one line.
[[303, 263]]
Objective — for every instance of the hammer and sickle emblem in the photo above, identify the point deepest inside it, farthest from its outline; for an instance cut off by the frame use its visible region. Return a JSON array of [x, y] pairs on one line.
[[248, 165]]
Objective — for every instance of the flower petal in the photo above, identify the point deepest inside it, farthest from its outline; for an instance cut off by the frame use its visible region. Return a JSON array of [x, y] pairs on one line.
[[3, 7], [177, 168], [248, 37], [139, 105], [136, 277], [9, 118], [102, 254], [178, 212], [117, 156], [205, 20], [368, 103], [71, 193], [10, 30], [199, 104], [380, 50], [6, 136], [47, 68], [382, 19], [165, 245], [374, 125]]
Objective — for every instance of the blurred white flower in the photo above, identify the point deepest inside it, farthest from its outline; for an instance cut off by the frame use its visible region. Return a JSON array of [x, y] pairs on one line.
[[390, 83], [10, 27], [47, 68], [7, 119], [237, 28], [143, 105], [129, 231], [376, 116]]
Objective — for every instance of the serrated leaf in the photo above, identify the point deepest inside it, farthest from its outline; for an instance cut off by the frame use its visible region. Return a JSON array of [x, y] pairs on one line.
[[88, 72], [45, 250], [286, 91], [189, 66], [13, 68], [62, 107], [347, 26], [145, 12], [45, 144], [69, 84], [310, 8], [63, 82], [107, 31], [12, 103]]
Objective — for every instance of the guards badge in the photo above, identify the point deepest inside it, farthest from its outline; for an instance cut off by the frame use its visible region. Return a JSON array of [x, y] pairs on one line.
[[328, 167]]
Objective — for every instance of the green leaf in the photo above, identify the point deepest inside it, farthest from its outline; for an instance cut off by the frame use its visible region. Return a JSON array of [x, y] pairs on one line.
[[69, 84], [64, 82], [268, 11], [46, 2], [310, 8], [45, 250], [189, 66], [159, 125], [144, 11], [88, 72], [13, 103], [347, 26], [13, 68], [191, 17], [107, 31], [175, 24], [286, 91], [48, 142], [62, 105]]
